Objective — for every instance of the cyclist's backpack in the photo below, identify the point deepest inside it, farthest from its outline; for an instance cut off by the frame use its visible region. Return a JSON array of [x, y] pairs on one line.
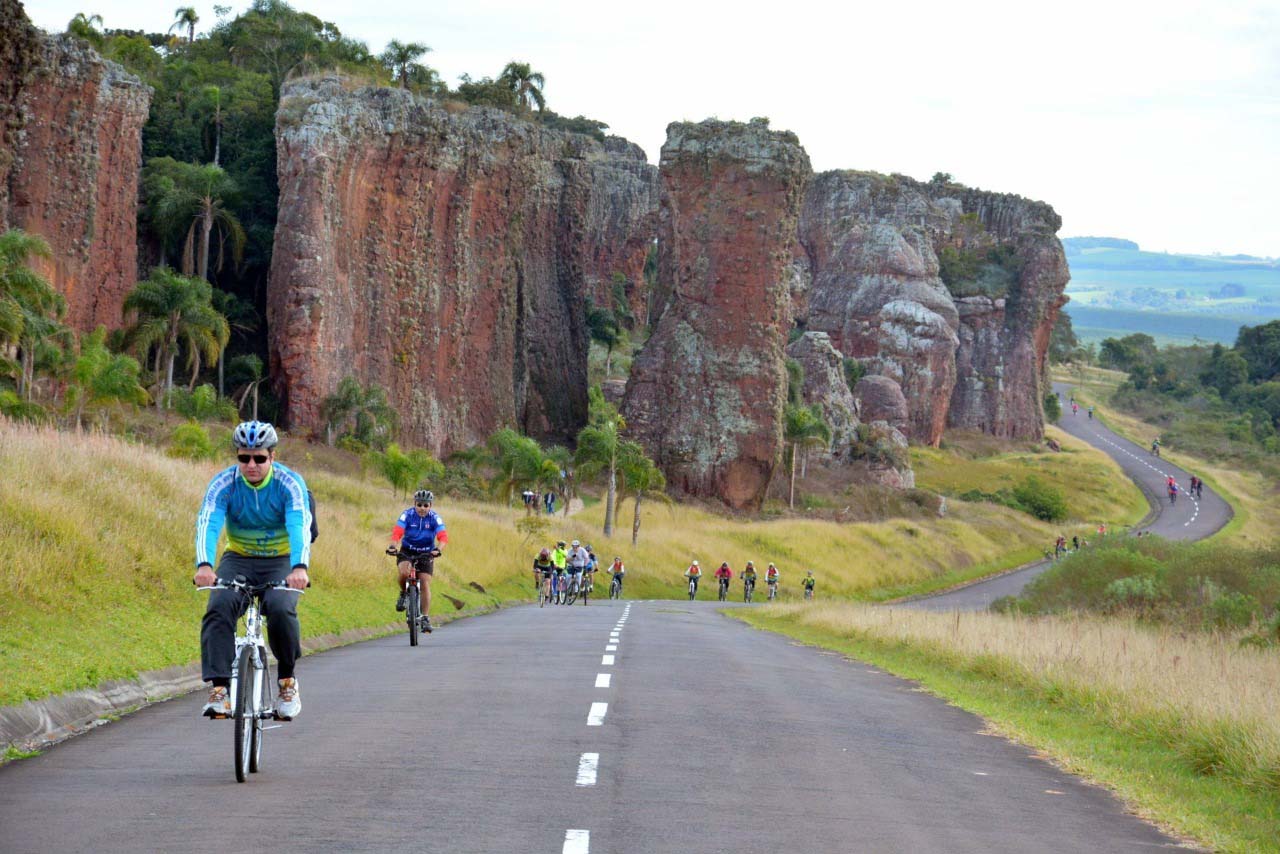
[[315, 526]]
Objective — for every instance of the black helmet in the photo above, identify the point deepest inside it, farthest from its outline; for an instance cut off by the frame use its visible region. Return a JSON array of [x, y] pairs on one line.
[[424, 496], [255, 435]]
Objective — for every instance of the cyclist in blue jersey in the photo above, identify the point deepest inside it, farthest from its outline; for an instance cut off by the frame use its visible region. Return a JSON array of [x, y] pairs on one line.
[[418, 531], [265, 509]]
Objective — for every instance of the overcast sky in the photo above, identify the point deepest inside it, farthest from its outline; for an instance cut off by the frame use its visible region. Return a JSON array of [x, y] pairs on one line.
[[1155, 121]]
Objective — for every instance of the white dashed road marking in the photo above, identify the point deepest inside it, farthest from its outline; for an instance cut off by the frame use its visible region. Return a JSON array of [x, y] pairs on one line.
[[587, 766], [577, 842], [611, 647], [606, 660], [595, 717], [603, 679]]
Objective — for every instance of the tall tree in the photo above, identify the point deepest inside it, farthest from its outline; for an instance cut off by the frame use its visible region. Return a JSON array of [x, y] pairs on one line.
[[186, 17], [29, 306], [87, 27], [641, 479], [605, 329], [600, 451], [400, 58], [186, 198], [361, 411], [241, 317], [168, 310], [803, 429], [525, 83]]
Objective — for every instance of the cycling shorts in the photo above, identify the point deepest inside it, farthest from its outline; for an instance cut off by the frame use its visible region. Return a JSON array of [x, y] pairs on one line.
[[546, 571], [424, 567]]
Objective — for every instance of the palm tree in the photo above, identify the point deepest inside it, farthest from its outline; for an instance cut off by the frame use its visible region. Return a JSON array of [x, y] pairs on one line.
[[87, 27], [247, 368], [185, 16], [399, 60], [215, 92], [100, 376], [241, 316], [184, 197], [600, 449], [526, 83], [29, 306], [641, 479], [518, 461], [366, 409], [170, 309], [803, 429]]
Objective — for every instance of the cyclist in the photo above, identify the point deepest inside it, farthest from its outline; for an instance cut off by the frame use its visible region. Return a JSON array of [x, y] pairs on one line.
[[771, 579], [618, 570], [1075, 408], [1173, 491], [560, 557], [267, 514], [543, 568], [578, 560], [1090, 413], [809, 581], [418, 531], [592, 565], [1075, 542], [1155, 446], [694, 574], [723, 574], [748, 578]]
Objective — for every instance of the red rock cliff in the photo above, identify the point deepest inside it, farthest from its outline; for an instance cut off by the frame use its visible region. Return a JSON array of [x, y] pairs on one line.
[[706, 393], [69, 166], [445, 256], [968, 352]]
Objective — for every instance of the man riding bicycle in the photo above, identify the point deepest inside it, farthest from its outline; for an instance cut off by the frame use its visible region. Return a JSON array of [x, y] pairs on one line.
[[771, 575], [749, 574], [723, 574], [543, 569], [578, 562], [694, 574], [419, 531], [267, 514], [809, 582]]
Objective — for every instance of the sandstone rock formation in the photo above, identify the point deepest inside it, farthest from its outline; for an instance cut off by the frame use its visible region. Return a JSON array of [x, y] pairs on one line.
[[967, 352], [70, 158], [445, 256], [881, 399], [706, 393], [824, 384]]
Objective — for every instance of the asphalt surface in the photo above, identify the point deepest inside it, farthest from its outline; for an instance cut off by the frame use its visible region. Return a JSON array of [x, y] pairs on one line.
[[1187, 519], [709, 736]]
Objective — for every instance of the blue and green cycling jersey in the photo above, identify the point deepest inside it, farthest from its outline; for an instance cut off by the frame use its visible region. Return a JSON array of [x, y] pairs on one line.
[[271, 519]]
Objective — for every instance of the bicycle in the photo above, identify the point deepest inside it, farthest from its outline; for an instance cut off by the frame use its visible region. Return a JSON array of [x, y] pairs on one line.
[[693, 588], [571, 590], [808, 593], [748, 587], [773, 590], [724, 589], [251, 693], [1155, 450], [586, 586], [418, 563], [544, 590], [615, 588]]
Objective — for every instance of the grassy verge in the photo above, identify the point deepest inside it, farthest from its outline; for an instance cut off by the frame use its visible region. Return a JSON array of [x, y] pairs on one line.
[[1252, 495], [1181, 727]]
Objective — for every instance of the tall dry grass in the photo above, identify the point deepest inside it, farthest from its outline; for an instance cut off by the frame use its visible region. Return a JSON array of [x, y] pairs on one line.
[[1203, 695]]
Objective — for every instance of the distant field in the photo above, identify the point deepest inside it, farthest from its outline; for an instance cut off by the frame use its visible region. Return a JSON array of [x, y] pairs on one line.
[[1094, 324]]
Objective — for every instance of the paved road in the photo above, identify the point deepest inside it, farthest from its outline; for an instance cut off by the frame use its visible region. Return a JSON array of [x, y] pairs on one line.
[[1188, 519], [518, 732]]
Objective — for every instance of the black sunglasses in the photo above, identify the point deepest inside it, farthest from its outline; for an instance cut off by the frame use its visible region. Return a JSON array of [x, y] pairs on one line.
[[257, 458], [423, 504]]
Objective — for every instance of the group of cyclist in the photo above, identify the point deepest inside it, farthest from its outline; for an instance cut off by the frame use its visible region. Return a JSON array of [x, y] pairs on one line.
[[571, 569], [724, 574]]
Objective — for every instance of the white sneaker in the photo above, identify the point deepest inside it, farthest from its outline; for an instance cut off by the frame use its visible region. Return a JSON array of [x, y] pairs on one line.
[[219, 705], [289, 701]]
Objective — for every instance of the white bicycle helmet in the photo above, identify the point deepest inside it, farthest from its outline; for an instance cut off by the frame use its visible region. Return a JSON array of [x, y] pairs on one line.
[[254, 435]]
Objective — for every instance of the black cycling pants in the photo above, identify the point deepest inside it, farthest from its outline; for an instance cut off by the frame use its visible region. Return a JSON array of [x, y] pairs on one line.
[[218, 630]]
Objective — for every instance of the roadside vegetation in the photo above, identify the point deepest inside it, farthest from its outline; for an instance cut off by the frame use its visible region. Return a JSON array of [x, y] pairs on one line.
[[1181, 726]]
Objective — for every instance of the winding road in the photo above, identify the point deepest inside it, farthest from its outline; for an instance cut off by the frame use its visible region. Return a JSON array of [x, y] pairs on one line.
[[651, 726], [1188, 519]]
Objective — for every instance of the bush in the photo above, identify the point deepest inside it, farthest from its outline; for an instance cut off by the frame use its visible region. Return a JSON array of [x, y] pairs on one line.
[[1134, 593], [1052, 408], [1233, 610], [203, 404], [192, 442], [1041, 500], [853, 371]]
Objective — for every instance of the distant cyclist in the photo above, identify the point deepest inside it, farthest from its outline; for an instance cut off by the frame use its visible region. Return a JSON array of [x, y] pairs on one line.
[[1155, 446], [1173, 491], [809, 582], [419, 531], [593, 564], [694, 574], [1090, 413], [617, 570], [1075, 408], [771, 578], [578, 561], [266, 512], [543, 568], [748, 578]]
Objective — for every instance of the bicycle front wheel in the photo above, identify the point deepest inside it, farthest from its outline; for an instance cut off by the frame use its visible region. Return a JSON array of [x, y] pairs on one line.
[[262, 678], [244, 704], [412, 612]]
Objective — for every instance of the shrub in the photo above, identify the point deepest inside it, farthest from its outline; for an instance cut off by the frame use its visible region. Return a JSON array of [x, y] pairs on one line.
[[853, 371], [1041, 500], [203, 404], [1136, 593], [192, 442], [1233, 610], [1052, 408]]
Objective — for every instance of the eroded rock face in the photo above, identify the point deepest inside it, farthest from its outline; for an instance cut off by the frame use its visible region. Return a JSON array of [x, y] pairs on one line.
[[824, 385], [968, 352], [445, 256], [881, 399], [706, 393], [69, 165]]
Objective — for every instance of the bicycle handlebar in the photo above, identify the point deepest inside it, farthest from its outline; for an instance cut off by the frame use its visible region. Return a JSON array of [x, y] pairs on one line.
[[250, 588]]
